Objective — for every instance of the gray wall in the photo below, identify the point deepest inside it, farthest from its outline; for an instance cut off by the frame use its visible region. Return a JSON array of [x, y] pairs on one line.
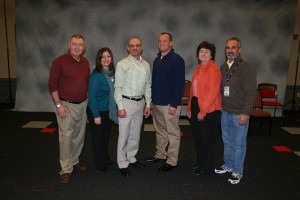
[[44, 27]]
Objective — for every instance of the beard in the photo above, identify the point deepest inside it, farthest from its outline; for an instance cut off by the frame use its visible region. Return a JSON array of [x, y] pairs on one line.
[[230, 56]]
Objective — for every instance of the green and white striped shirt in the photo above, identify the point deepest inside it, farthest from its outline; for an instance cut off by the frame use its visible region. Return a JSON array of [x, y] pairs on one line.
[[132, 79]]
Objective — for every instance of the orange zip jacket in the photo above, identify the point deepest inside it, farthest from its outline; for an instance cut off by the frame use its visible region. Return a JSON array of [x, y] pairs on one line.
[[208, 88]]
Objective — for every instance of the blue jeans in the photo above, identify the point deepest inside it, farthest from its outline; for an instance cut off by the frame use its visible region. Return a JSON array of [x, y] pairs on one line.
[[235, 141]]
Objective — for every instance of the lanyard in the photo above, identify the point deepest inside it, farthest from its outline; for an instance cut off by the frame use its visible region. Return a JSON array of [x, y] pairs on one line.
[[141, 68], [228, 76]]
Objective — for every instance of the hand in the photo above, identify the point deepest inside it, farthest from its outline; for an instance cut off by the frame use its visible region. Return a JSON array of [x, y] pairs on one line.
[[172, 110], [147, 112], [189, 115], [122, 113], [243, 119], [62, 111], [200, 118], [97, 120]]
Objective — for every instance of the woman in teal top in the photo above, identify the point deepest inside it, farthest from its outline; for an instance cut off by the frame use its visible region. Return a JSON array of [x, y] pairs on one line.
[[102, 109]]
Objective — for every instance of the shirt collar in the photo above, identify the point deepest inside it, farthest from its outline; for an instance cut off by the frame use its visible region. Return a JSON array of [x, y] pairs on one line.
[[207, 64], [73, 59], [170, 52], [236, 60], [133, 59]]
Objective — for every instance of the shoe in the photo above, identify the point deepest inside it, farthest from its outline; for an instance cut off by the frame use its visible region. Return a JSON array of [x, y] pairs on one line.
[[222, 170], [125, 172], [195, 167], [154, 159], [198, 172], [235, 178], [111, 163], [137, 164], [166, 167], [65, 178], [103, 169], [80, 166]]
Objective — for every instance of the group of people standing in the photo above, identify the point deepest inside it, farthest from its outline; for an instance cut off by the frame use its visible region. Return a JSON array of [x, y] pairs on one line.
[[131, 90]]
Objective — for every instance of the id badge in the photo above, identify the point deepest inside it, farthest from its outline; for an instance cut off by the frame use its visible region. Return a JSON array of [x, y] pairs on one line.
[[226, 91]]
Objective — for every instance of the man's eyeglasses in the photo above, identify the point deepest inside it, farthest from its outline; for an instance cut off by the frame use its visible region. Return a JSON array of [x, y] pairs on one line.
[[134, 45], [231, 47]]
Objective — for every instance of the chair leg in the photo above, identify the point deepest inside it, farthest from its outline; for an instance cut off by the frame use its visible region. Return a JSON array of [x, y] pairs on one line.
[[281, 119], [261, 121], [270, 128], [249, 127]]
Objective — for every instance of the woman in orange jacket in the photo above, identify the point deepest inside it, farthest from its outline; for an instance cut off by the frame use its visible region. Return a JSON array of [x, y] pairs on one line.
[[204, 108]]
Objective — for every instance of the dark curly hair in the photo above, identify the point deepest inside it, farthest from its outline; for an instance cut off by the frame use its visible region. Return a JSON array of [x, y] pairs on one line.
[[209, 46]]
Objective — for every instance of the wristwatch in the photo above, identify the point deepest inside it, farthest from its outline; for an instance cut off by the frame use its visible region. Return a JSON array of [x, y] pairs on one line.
[[58, 105]]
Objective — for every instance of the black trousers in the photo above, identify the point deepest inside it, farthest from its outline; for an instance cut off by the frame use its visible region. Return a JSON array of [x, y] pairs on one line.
[[205, 135], [100, 138]]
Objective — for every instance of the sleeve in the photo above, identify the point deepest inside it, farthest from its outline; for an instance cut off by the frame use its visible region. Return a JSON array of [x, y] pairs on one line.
[[119, 76], [250, 87], [54, 77], [179, 82], [148, 89], [191, 91], [92, 94]]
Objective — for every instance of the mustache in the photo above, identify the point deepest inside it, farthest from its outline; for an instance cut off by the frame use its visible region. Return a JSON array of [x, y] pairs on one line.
[[230, 56]]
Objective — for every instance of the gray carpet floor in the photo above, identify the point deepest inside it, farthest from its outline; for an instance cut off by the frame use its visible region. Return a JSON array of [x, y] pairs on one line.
[[29, 166]]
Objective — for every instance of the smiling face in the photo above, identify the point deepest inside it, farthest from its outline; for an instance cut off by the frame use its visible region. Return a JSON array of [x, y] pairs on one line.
[[135, 47], [232, 49], [165, 44], [106, 59], [204, 56], [76, 47]]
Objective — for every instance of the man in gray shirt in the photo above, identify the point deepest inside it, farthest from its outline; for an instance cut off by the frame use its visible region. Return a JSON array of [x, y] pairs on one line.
[[238, 90]]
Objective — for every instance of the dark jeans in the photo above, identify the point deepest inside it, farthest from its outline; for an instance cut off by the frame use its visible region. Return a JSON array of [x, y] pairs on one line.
[[205, 135], [100, 138]]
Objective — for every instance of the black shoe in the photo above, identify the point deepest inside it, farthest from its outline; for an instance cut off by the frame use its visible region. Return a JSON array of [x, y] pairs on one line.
[[154, 159], [195, 167], [103, 169], [80, 166], [199, 171], [137, 164], [125, 172], [111, 163], [166, 167]]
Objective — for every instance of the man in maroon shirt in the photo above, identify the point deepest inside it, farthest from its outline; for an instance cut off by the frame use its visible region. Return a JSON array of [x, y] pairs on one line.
[[68, 85]]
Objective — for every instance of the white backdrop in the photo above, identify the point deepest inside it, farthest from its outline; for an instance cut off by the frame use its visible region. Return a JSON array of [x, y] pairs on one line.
[[44, 27]]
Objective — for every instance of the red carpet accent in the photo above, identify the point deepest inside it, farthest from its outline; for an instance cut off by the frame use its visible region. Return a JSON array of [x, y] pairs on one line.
[[282, 149], [48, 130], [181, 134]]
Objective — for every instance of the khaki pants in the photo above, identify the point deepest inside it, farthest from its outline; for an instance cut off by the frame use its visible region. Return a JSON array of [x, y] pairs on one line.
[[129, 132], [167, 133], [71, 135]]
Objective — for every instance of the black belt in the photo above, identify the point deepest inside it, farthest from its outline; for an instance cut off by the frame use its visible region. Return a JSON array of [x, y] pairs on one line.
[[132, 98], [194, 98], [69, 101]]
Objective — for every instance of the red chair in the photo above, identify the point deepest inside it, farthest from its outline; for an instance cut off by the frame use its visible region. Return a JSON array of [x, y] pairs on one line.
[[258, 113], [186, 97], [186, 94], [269, 96]]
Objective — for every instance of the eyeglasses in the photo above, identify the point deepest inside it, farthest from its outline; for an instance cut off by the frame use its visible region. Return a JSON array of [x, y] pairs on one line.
[[231, 47], [134, 45]]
